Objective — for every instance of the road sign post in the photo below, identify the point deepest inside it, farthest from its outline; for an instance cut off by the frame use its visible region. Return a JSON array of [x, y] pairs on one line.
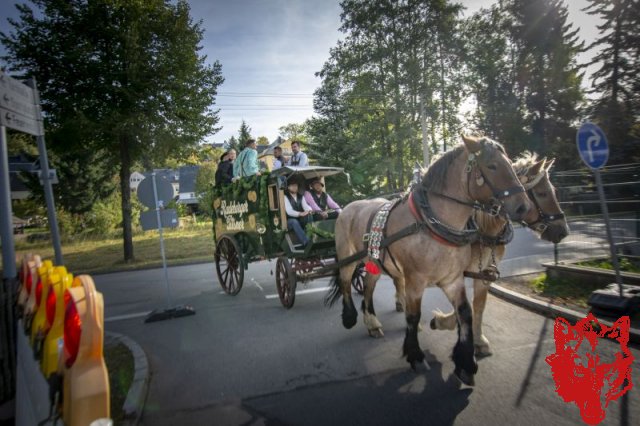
[[156, 195], [594, 151]]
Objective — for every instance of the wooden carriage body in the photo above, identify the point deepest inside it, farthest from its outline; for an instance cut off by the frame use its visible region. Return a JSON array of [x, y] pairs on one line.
[[250, 224]]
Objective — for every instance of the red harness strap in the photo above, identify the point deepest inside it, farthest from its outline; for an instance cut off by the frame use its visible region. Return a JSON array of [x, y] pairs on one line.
[[416, 213]]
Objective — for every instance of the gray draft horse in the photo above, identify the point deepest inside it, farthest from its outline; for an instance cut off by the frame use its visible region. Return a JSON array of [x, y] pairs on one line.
[[474, 173], [546, 219]]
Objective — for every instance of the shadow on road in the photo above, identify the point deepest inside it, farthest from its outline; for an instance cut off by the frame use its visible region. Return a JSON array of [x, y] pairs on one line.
[[400, 397]]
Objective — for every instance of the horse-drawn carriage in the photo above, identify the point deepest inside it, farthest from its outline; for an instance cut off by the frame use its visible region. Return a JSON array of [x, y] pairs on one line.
[[250, 224]]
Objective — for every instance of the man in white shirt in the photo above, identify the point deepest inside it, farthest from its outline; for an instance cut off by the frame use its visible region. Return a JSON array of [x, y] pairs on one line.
[[298, 212], [298, 158]]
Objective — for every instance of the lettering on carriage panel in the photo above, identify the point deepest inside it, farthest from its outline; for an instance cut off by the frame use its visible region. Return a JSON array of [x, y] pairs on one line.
[[579, 369], [233, 214]]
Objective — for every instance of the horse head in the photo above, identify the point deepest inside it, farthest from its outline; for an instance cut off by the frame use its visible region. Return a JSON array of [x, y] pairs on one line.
[[546, 218], [492, 178]]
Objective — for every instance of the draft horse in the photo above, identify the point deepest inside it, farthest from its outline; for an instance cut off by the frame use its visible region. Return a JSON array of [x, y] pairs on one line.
[[435, 244], [547, 220]]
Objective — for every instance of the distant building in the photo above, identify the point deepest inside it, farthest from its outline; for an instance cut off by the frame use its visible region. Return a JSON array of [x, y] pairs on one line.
[[134, 180], [187, 185]]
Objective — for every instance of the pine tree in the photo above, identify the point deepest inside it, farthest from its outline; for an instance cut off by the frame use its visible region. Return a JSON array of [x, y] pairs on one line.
[[244, 134], [549, 79], [617, 81]]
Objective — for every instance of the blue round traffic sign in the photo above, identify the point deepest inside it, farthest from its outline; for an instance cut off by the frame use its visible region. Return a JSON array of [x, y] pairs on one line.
[[592, 145]]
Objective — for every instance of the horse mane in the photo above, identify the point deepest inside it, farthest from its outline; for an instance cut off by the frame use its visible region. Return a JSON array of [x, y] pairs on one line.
[[524, 162], [435, 178]]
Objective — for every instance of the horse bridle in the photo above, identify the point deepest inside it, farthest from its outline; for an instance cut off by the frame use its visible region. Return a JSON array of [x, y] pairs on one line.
[[544, 219], [498, 195]]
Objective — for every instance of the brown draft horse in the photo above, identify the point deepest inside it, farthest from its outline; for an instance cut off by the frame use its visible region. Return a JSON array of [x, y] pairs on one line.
[[547, 220], [477, 171]]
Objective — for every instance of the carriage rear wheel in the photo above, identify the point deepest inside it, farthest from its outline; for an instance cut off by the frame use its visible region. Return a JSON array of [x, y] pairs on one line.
[[286, 282], [357, 279], [229, 265]]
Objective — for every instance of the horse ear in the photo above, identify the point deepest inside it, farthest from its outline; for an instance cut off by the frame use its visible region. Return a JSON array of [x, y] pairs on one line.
[[550, 164], [472, 143], [537, 167]]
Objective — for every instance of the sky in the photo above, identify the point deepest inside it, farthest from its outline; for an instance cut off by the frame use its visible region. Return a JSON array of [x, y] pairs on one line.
[[270, 51]]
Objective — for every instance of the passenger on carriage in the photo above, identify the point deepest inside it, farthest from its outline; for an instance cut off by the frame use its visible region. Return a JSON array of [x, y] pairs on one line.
[[247, 162], [320, 202], [298, 212]]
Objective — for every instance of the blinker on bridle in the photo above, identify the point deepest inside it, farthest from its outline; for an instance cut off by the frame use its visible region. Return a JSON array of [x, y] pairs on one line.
[[544, 219], [498, 195]]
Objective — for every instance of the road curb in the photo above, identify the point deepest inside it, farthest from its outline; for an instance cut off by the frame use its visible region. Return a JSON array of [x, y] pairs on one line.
[[137, 395], [549, 309]]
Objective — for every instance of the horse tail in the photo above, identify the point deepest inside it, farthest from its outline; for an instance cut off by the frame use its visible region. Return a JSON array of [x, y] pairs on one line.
[[335, 290]]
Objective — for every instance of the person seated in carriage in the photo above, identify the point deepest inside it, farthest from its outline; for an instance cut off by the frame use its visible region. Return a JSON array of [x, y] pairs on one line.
[[298, 211], [321, 203]]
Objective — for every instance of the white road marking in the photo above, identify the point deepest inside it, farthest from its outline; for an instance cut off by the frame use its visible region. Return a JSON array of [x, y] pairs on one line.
[[298, 292], [257, 284], [127, 316]]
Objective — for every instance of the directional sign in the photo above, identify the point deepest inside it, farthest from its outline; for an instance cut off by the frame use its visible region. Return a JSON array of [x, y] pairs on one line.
[[145, 191], [592, 145], [16, 90], [21, 123], [149, 219]]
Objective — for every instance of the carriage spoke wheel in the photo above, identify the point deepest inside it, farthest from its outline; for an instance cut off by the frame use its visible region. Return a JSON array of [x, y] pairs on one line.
[[357, 279], [229, 265], [286, 282]]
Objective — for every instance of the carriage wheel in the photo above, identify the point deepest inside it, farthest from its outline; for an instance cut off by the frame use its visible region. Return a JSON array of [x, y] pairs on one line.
[[357, 279], [286, 282], [229, 265]]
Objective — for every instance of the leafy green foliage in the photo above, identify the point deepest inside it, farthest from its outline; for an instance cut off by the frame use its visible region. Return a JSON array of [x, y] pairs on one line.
[[135, 85], [205, 179]]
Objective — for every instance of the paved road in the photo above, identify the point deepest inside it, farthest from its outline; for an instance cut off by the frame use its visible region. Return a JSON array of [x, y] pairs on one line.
[[247, 360]]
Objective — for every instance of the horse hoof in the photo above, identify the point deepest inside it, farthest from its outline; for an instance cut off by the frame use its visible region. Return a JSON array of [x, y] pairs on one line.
[[376, 333], [420, 327], [432, 323], [399, 307], [483, 351], [465, 377]]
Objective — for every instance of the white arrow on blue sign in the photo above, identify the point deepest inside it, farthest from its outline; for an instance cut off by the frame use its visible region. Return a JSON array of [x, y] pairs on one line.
[[592, 145]]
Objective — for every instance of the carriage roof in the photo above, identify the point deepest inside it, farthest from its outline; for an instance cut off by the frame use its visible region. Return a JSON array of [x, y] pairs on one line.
[[308, 172]]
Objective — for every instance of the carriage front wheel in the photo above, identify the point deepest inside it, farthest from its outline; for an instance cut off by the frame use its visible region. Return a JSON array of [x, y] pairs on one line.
[[229, 265], [286, 282]]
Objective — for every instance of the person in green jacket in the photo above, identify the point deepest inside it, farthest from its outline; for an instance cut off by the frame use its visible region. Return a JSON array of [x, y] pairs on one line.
[[247, 162]]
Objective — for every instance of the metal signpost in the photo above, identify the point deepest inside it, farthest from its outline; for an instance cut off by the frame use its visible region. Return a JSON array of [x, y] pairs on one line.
[[594, 151], [155, 194], [20, 110]]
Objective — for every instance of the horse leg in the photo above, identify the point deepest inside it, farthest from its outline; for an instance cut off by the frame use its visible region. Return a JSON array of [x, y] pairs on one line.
[[463, 352], [411, 348], [400, 293], [481, 343], [370, 320], [349, 311], [442, 321]]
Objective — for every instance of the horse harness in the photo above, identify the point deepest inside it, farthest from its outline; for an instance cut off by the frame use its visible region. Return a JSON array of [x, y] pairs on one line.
[[377, 244], [544, 219]]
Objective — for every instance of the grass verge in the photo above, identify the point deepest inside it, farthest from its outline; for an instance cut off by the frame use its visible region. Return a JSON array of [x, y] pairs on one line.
[[120, 366], [93, 256]]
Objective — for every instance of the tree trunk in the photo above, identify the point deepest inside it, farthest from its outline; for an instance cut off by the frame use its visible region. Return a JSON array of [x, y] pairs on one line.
[[125, 172]]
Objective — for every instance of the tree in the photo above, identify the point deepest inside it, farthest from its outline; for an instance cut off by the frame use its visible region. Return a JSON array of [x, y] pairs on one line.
[[617, 81], [135, 85], [262, 140], [205, 180], [244, 134], [232, 143], [293, 132], [549, 78]]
